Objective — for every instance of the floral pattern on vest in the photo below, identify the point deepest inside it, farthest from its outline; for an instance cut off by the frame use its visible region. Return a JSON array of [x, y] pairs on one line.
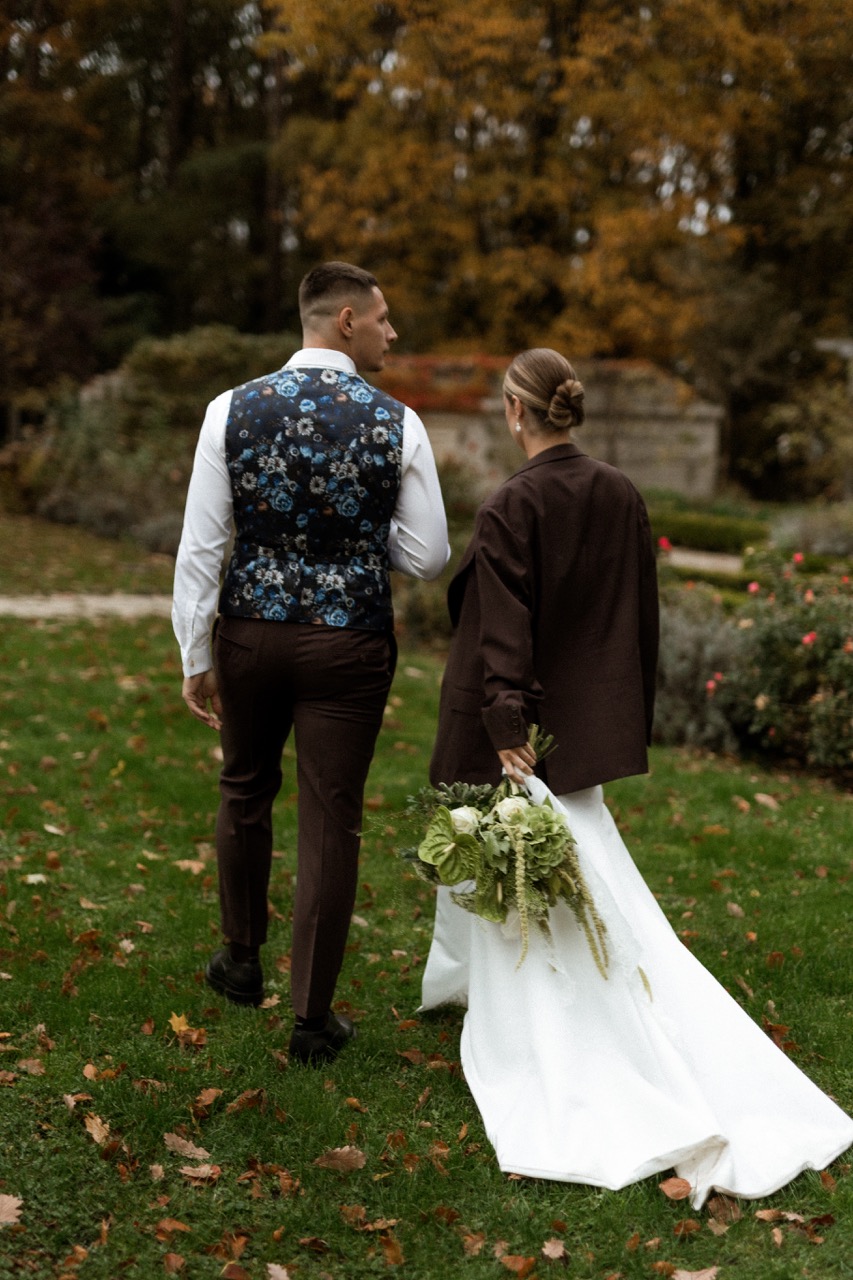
[[314, 458]]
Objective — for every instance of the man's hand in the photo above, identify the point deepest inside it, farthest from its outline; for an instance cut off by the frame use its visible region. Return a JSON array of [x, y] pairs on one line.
[[518, 762], [197, 691]]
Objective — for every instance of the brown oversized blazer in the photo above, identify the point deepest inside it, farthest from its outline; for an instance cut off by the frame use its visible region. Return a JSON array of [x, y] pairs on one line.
[[555, 607]]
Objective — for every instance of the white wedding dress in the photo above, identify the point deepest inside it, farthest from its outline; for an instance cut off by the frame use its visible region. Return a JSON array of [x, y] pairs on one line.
[[605, 1081]]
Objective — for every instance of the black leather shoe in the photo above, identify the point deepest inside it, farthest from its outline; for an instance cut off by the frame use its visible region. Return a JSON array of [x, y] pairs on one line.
[[324, 1045], [240, 981]]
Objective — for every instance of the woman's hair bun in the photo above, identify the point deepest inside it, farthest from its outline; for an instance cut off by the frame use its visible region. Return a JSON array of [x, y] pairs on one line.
[[566, 407]]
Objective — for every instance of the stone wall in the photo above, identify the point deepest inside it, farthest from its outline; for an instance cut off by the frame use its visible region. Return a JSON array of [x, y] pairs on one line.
[[638, 418]]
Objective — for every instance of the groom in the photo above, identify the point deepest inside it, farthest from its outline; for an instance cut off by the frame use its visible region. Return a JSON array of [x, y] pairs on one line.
[[330, 484]]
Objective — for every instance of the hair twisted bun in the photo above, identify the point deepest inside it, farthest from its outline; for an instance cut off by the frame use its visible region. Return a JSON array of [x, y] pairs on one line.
[[566, 407]]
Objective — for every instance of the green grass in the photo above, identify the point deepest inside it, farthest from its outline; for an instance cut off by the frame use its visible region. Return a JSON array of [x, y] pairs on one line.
[[107, 784], [39, 557]]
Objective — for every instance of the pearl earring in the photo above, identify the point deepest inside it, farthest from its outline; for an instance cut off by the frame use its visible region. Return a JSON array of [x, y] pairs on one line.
[[518, 426]]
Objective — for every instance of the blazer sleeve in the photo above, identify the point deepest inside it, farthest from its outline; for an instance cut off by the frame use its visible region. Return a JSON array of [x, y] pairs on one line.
[[505, 586]]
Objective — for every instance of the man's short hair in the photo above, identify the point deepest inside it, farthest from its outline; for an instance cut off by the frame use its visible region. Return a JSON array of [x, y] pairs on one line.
[[331, 285]]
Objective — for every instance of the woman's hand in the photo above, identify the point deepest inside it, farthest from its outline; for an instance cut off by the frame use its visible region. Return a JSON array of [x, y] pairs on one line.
[[197, 691], [518, 762]]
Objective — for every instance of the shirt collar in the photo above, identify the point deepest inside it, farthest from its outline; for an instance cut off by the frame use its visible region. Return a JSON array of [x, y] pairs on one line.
[[321, 358]]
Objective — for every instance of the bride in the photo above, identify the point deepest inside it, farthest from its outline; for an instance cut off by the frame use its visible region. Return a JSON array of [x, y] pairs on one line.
[[581, 1078]]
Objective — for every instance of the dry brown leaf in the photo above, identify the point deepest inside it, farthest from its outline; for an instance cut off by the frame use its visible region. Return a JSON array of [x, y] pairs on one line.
[[157, 1172], [184, 1148], [555, 1250], [248, 1099], [200, 1173], [32, 1066], [687, 1227], [828, 1181], [517, 1264], [342, 1159], [275, 1272], [769, 802], [391, 1250], [354, 1215], [97, 1129], [735, 910], [472, 1243], [675, 1188], [355, 1105], [10, 1210], [178, 1022], [724, 1209], [189, 864], [167, 1227], [632, 1244], [717, 1228], [234, 1271], [663, 1268], [173, 1263], [707, 1273], [778, 1237]]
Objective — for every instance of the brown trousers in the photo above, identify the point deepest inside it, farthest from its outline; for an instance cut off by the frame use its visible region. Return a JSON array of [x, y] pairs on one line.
[[330, 685]]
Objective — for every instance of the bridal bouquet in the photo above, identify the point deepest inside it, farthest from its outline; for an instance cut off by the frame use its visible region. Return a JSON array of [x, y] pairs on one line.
[[518, 854]]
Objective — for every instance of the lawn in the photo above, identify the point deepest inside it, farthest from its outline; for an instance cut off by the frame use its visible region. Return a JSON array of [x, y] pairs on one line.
[[148, 1128]]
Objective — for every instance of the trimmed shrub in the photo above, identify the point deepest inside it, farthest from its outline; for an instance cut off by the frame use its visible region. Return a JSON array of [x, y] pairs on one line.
[[702, 531]]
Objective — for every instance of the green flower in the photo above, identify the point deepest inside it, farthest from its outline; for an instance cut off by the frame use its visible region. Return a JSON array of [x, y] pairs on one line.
[[454, 854]]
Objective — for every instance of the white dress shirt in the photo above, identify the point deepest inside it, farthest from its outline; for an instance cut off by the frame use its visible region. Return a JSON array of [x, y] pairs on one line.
[[417, 543]]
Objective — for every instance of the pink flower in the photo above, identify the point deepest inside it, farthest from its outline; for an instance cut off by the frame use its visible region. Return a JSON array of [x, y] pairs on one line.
[[710, 686], [808, 596], [664, 544], [798, 557], [754, 588], [809, 638], [718, 675]]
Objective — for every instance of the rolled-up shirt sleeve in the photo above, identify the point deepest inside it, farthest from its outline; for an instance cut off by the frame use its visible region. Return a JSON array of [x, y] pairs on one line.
[[207, 528], [417, 544]]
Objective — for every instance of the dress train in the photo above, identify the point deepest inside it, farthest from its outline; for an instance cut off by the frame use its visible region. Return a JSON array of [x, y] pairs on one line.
[[579, 1078]]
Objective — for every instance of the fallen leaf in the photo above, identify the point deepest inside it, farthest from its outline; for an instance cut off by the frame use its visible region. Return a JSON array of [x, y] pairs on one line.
[[517, 1264], [97, 1129], [555, 1250], [314, 1243], [664, 1268], [778, 1237], [184, 1148], [87, 905], [173, 1263], [201, 1173], [724, 1209], [157, 1172], [391, 1250], [769, 802], [189, 864], [249, 1099], [632, 1244], [355, 1105], [735, 910], [32, 1066], [167, 1227], [707, 1273], [354, 1215], [10, 1210], [235, 1272], [472, 1243], [675, 1188], [275, 1272], [687, 1227], [342, 1159], [828, 1181]]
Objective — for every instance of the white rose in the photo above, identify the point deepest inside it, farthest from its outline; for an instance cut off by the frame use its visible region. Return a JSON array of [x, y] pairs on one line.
[[465, 819], [511, 807]]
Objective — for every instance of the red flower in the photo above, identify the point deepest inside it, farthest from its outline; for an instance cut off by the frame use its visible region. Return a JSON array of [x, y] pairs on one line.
[[809, 638], [798, 557], [664, 544], [754, 588]]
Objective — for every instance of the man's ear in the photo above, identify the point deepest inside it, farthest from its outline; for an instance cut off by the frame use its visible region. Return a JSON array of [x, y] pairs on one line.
[[345, 319]]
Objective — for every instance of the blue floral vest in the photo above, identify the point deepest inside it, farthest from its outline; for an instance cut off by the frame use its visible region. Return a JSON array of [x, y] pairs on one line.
[[314, 457]]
